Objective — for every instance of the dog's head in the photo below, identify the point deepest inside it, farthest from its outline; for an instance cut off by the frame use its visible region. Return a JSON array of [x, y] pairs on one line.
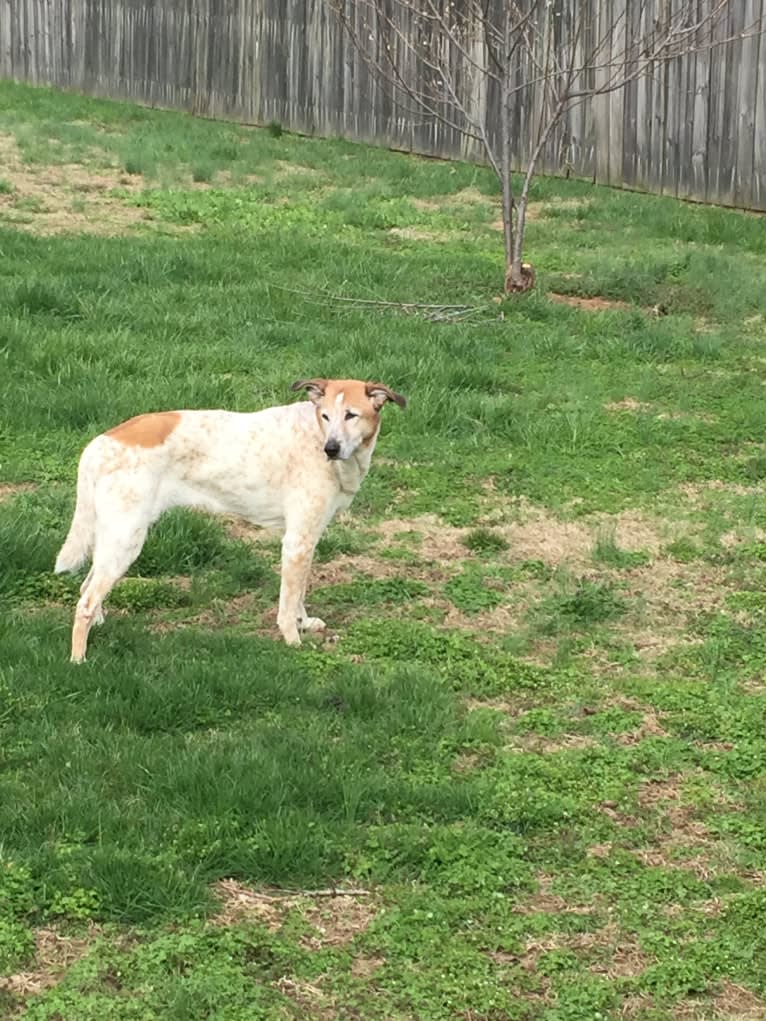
[[348, 412]]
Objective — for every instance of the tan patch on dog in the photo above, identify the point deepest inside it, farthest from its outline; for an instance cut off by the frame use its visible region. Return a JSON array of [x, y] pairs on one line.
[[146, 430]]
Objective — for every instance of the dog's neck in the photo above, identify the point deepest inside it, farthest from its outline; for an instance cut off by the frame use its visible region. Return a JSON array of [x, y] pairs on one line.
[[352, 471]]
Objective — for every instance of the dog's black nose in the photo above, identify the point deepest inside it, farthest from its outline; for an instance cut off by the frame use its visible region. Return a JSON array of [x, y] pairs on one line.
[[332, 448]]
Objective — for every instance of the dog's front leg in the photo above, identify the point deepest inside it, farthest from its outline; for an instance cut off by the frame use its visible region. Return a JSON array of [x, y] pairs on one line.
[[297, 553], [306, 623]]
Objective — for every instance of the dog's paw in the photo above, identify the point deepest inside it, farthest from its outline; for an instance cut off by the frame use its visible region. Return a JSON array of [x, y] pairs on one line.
[[313, 624], [290, 635]]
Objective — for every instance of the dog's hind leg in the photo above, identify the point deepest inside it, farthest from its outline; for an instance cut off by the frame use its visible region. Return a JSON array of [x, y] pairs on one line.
[[99, 614], [117, 546]]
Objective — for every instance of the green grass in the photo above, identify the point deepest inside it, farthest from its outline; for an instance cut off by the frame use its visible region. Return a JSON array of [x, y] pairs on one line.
[[538, 749]]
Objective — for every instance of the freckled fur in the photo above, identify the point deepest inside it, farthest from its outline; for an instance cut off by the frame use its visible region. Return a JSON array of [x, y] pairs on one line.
[[269, 467]]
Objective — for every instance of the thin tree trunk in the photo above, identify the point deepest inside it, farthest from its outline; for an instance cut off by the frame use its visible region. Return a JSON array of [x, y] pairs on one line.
[[521, 275], [506, 180]]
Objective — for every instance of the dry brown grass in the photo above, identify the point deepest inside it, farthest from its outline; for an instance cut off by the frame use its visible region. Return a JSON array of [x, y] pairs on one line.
[[10, 489], [628, 404], [633, 406], [423, 234], [662, 596], [538, 210], [54, 955], [69, 197], [544, 901], [596, 304], [731, 1002], [618, 955], [335, 920], [683, 841]]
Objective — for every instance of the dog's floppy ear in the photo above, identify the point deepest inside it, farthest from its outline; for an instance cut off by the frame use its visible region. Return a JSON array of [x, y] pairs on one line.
[[314, 388], [379, 393]]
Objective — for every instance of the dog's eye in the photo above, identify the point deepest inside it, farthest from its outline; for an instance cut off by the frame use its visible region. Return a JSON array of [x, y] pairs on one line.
[[351, 414], [325, 417]]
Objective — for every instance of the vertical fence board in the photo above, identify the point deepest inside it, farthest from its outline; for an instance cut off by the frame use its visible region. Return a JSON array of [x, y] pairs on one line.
[[746, 93], [758, 193]]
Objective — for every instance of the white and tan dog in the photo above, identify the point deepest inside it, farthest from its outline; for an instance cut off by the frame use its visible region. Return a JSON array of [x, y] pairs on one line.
[[292, 467]]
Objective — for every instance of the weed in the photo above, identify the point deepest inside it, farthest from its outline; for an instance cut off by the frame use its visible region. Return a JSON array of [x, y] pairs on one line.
[[203, 173], [485, 541], [473, 590], [684, 550], [339, 541], [606, 551], [134, 166], [582, 604]]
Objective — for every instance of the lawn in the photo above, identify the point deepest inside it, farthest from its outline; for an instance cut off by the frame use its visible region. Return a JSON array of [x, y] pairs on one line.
[[533, 741]]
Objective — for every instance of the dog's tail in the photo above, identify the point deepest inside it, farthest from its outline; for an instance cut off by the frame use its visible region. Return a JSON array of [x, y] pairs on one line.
[[78, 545]]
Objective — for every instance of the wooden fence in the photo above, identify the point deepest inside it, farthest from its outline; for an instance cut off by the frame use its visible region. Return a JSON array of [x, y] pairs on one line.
[[695, 127]]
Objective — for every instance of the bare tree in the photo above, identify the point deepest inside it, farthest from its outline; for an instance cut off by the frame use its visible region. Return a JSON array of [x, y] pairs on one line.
[[505, 73]]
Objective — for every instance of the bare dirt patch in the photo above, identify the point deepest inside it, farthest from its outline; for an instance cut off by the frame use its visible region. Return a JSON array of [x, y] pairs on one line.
[[628, 404], [664, 596], [54, 954], [558, 203], [335, 919], [471, 197], [539, 210], [364, 967], [8, 490], [623, 958], [633, 406], [309, 997], [466, 762], [69, 198], [286, 169], [66, 198], [661, 595], [438, 542], [596, 304], [684, 841], [650, 725], [735, 1003], [542, 745], [427, 205], [544, 901], [731, 1002], [422, 234]]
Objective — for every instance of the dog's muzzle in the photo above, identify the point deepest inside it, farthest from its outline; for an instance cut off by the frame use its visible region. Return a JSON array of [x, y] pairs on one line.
[[332, 449]]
